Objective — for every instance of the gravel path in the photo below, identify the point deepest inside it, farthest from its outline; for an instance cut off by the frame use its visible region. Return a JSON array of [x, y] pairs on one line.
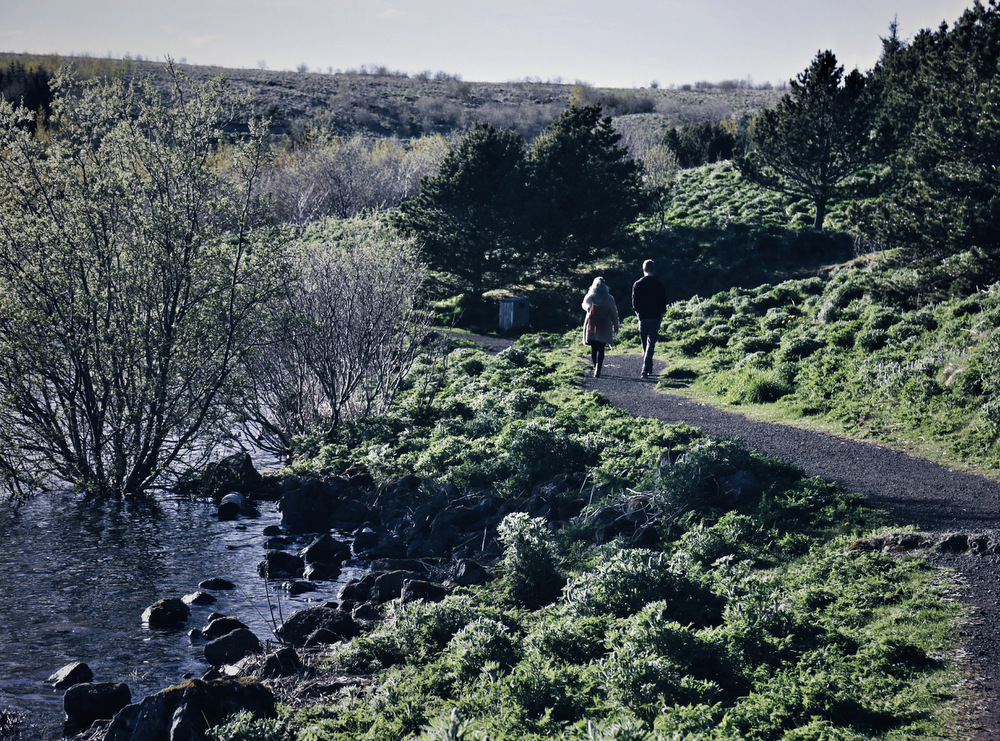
[[913, 491]]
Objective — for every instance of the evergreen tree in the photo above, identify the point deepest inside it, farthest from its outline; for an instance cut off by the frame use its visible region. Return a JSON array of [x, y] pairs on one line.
[[701, 143], [585, 189], [468, 217], [939, 123], [813, 144]]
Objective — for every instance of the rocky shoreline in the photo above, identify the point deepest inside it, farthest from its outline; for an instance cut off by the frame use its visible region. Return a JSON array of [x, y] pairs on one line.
[[418, 540]]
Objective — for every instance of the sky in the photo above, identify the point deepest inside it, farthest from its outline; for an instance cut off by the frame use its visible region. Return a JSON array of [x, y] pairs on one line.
[[604, 43]]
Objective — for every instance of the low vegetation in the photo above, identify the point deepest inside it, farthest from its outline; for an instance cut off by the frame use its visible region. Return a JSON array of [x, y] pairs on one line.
[[744, 614], [872, 351]]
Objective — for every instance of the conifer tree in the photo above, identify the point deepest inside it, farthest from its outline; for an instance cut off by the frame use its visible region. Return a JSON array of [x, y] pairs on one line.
[[468, 217], [813, 143]]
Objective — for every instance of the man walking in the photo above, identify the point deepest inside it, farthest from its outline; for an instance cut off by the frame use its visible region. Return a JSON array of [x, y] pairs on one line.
[[649, 301]]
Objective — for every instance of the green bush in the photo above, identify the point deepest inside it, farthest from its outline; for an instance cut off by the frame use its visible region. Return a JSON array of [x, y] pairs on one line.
[[244, 727], [656, 661], [481, 642], [629, 580], [530, 563], [758, 386]]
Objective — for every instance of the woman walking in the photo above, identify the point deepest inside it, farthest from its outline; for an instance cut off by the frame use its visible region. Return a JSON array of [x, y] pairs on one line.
[[601, 324]]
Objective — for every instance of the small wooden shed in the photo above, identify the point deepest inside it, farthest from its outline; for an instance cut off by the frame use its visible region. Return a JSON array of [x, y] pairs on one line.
[[513, 313]]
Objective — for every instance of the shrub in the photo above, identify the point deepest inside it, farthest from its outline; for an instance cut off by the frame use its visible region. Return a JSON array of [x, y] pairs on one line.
[[870, 340], [797, 347], [570, 639], [530, 564], [760, 343], [631, 579], [758, 386], [244, 727], [481, 642], [655, 661]]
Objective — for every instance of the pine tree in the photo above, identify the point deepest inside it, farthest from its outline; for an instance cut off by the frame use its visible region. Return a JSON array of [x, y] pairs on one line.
[[813, 144], [468, 216]]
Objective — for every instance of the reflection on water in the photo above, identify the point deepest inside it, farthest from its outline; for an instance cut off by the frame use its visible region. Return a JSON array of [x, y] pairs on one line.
[[76, 576]]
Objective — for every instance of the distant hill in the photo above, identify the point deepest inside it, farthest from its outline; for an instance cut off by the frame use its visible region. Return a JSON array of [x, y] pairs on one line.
[[381, 103]]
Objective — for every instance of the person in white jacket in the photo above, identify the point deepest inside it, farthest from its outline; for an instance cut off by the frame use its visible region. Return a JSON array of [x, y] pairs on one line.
[[601, 323]]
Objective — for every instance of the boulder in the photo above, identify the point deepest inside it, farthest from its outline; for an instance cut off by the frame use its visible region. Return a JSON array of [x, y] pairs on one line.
[[328, 616], [281, 565], [166, 614], [89, 701], [414, 589], [233, 473], [321, 571], [468, 573], [185, 712], [358, 590], [231, 505], [326, 549], [307, 505], [216, 582], [389, 585], [299, 587], [198, 598], [232, 647], [282, 663], [221, 625], [364, 538], [75, 673]]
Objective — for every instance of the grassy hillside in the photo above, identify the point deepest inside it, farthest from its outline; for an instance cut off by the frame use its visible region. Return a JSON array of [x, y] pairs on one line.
[[870, 352], [378, 102]]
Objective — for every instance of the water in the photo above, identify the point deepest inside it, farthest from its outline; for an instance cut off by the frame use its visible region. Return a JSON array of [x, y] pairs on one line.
[[75, 577]]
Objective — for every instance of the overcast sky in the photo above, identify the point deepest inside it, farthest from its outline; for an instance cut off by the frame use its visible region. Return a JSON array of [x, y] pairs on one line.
[[613, 43]]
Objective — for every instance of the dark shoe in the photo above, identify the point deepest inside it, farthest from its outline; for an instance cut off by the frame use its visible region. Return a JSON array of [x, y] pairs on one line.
[[597, 371], [644, 374]]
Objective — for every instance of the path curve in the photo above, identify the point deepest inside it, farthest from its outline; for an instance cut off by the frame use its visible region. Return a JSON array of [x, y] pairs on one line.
[[912, 490]]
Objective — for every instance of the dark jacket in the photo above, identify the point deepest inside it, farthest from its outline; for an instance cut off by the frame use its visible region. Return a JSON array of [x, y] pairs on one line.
[[649, 297]]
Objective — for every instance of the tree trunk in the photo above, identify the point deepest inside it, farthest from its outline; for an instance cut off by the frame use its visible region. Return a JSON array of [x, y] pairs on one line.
[[820, 214]]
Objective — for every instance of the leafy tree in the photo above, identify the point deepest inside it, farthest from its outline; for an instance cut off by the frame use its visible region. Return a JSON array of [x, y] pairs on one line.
[[813, 143], [469, 216], [585, 188], [130, 285]]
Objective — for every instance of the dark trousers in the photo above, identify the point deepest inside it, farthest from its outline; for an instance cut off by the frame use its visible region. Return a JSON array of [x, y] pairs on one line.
[[596, 352], [649, 329]]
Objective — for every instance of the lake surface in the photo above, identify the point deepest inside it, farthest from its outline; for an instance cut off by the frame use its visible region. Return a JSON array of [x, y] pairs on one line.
[[75, 577]]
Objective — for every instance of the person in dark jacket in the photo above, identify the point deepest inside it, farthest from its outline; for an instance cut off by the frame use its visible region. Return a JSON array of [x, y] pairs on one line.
[[649, 301]]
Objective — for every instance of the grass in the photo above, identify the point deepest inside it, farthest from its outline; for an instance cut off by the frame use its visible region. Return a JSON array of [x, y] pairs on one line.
[[866, 353], [748, 618]]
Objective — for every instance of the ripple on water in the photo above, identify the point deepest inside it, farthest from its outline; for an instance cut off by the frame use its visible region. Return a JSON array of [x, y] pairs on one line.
[[77, 576]]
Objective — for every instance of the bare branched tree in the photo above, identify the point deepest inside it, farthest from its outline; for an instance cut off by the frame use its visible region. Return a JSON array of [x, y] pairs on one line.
[[344, 177], [353, 325]]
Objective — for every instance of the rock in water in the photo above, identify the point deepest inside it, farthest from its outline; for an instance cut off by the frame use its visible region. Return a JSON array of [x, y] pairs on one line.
[[84, 703], [231, 505], [232, 647], [166, 614], [189, 709], [75, 673]]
